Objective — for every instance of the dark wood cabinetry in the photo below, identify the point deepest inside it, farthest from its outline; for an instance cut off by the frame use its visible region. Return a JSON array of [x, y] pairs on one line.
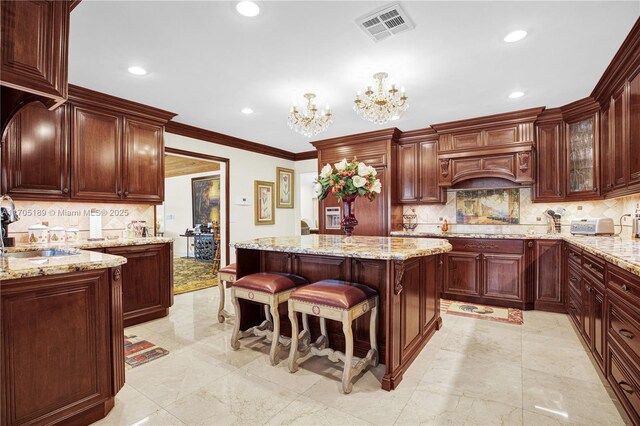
[[418, 169], [548, 291], [62, 340], [143, 161], [147, 281], [35, 154], [485, 271], [550, 175], [34, 48]]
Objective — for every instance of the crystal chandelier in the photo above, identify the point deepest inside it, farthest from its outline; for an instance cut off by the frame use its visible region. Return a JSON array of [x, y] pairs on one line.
[[310, 122], [382, 104]]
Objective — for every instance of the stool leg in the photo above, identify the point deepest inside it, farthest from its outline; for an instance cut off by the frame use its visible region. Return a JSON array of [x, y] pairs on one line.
[[235, 336], [323, 340], [373, 333], [348, 355], [221, 284], [274, 354], [293, 352]]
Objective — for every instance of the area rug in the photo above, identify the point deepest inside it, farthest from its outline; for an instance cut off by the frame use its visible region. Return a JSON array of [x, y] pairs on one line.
[[191, 275], [138, 352], [475, 310]]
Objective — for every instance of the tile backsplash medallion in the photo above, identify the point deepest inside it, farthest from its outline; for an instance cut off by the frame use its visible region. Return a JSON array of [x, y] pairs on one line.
[[115, 217], [532, 218]]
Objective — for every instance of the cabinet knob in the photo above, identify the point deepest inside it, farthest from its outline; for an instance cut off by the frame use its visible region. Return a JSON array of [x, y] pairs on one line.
[[119, 193], [126, 193], [573, 279], [595, 189], [626, 333], [65, 190], [625, 288], [530, 244], [626, 387]]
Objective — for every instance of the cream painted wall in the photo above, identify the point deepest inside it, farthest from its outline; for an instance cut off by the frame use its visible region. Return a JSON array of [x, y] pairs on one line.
[[246, 167], [302, 167]]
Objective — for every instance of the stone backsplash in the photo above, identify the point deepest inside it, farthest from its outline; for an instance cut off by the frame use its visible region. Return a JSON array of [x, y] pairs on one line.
[[532, 218], [115, 217]]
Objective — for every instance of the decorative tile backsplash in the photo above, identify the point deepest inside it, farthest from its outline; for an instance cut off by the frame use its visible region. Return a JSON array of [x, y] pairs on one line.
[[115, 217], [532, 218]]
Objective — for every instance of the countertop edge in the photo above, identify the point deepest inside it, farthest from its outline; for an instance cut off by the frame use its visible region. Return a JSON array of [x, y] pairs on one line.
[[109, 261], [87, 245]]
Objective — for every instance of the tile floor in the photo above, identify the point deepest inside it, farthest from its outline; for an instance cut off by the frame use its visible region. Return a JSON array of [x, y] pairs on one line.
[[472, 372]]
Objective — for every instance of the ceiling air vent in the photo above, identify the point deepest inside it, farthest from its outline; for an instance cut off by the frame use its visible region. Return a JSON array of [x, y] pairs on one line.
[[385, 22]]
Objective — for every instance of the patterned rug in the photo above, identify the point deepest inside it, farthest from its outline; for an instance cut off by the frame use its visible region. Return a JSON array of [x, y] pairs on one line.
[[138, 352], [191, 275], [475, 310]]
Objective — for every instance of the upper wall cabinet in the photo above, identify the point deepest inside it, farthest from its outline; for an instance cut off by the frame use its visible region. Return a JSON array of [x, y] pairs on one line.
[[34, 48], [417, 169], [35, 154], [550, 176]]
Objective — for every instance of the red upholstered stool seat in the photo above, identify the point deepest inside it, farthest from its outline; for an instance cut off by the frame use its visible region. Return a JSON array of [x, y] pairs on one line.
[[270, 282], [271, 289], [336, 293], [229, 269]]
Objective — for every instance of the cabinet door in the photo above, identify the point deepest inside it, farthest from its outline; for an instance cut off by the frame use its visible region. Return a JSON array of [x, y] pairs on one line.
[[587, 307], [408, 177], [548, 274], [35, 154], [633, 114], [411, 312], [34, 47], [143, 167], [147, 281], [462, 274], [618, 141], [598, 320], [95, 154], [549, 163], [607, 149], [430, 192], [582, 153], [503, 276]]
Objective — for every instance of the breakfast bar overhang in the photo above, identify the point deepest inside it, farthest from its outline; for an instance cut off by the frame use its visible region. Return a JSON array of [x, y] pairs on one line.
[[406, 272]]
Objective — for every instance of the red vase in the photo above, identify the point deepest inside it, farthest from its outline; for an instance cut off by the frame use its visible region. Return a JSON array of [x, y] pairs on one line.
[[349, 220]]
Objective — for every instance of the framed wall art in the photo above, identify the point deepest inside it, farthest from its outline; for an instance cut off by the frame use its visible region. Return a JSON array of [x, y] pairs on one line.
[[264, 202], [205, 199], [284, 188], [488, 207]]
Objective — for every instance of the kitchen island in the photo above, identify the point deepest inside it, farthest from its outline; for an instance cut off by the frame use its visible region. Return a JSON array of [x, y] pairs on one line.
[[62, 336], [406, 272]]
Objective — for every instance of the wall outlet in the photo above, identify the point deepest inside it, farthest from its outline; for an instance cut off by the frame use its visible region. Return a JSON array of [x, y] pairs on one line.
[[242, 201]]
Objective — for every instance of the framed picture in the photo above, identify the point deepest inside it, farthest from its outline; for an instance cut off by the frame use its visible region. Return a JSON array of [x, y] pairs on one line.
[[488, 207], [265, 203], [205, 199], [284, 188]]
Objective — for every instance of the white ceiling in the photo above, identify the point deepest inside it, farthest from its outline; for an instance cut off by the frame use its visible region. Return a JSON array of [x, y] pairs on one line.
[[206, 62]]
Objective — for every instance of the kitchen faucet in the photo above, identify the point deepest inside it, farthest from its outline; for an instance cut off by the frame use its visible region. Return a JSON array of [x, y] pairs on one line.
[[8, 215]]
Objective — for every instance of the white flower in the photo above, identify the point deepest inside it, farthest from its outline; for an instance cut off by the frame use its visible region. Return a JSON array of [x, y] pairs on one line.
[[359, 181], [363, 170], [317, 188], [372, 171], [326, 171], [376, 187], [341, 165]]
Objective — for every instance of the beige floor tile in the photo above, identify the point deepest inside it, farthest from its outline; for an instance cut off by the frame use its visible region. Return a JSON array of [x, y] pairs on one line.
[[305, 411], [131, 407], [159, 418], [219, 347], [237, 398], [561, 400], [431, 408], [297, 382], [498, 343]]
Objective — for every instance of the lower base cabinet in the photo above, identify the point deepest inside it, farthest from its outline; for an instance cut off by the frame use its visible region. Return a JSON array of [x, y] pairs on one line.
[[147, 281]]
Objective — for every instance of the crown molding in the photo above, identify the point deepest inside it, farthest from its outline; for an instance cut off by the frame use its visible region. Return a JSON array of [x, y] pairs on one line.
[[514, 117], [392, 133], [307, 155], [580, 108]]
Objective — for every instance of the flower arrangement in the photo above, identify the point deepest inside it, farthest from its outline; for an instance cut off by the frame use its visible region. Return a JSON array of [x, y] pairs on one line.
[[347, 179]]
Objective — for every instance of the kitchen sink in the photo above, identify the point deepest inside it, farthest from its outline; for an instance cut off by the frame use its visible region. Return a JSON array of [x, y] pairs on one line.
[[43, 253]]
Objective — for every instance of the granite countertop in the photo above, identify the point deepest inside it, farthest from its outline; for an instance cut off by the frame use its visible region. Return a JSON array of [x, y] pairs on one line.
[[421, 234], [80, 260], [84, 244], [384, 248]]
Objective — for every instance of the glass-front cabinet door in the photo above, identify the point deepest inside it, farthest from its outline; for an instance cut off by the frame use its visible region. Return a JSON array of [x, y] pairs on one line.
[[583, 174]]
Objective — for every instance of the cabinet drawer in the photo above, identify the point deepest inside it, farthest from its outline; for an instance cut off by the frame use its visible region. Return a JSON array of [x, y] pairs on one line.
[[487, 245], [574, 307], [574, 279], [594, 266], [623, 325], [623, 378], [574, 255], [624, 284]]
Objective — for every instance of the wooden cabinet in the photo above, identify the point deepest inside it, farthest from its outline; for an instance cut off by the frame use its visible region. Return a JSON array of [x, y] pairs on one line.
[[549, 183], [485, 271], [147, 281], [582, 157], [62, 340], [548, 291], [418, 174], [96, 154], [34, 47], [35, 154], [143, 161], [633, 124]]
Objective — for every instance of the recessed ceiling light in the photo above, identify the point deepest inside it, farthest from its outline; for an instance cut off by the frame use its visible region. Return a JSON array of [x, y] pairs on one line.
[[248, 8], [515, 95], [515, 36], [246, 110], [137, 70]]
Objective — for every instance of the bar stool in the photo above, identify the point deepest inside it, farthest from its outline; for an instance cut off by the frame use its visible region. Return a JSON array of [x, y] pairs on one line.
[[340, 301], [270, 289], [226, 278]]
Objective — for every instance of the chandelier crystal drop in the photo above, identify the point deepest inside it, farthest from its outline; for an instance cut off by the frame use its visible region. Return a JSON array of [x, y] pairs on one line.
[[381, 104], [310, 122]]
